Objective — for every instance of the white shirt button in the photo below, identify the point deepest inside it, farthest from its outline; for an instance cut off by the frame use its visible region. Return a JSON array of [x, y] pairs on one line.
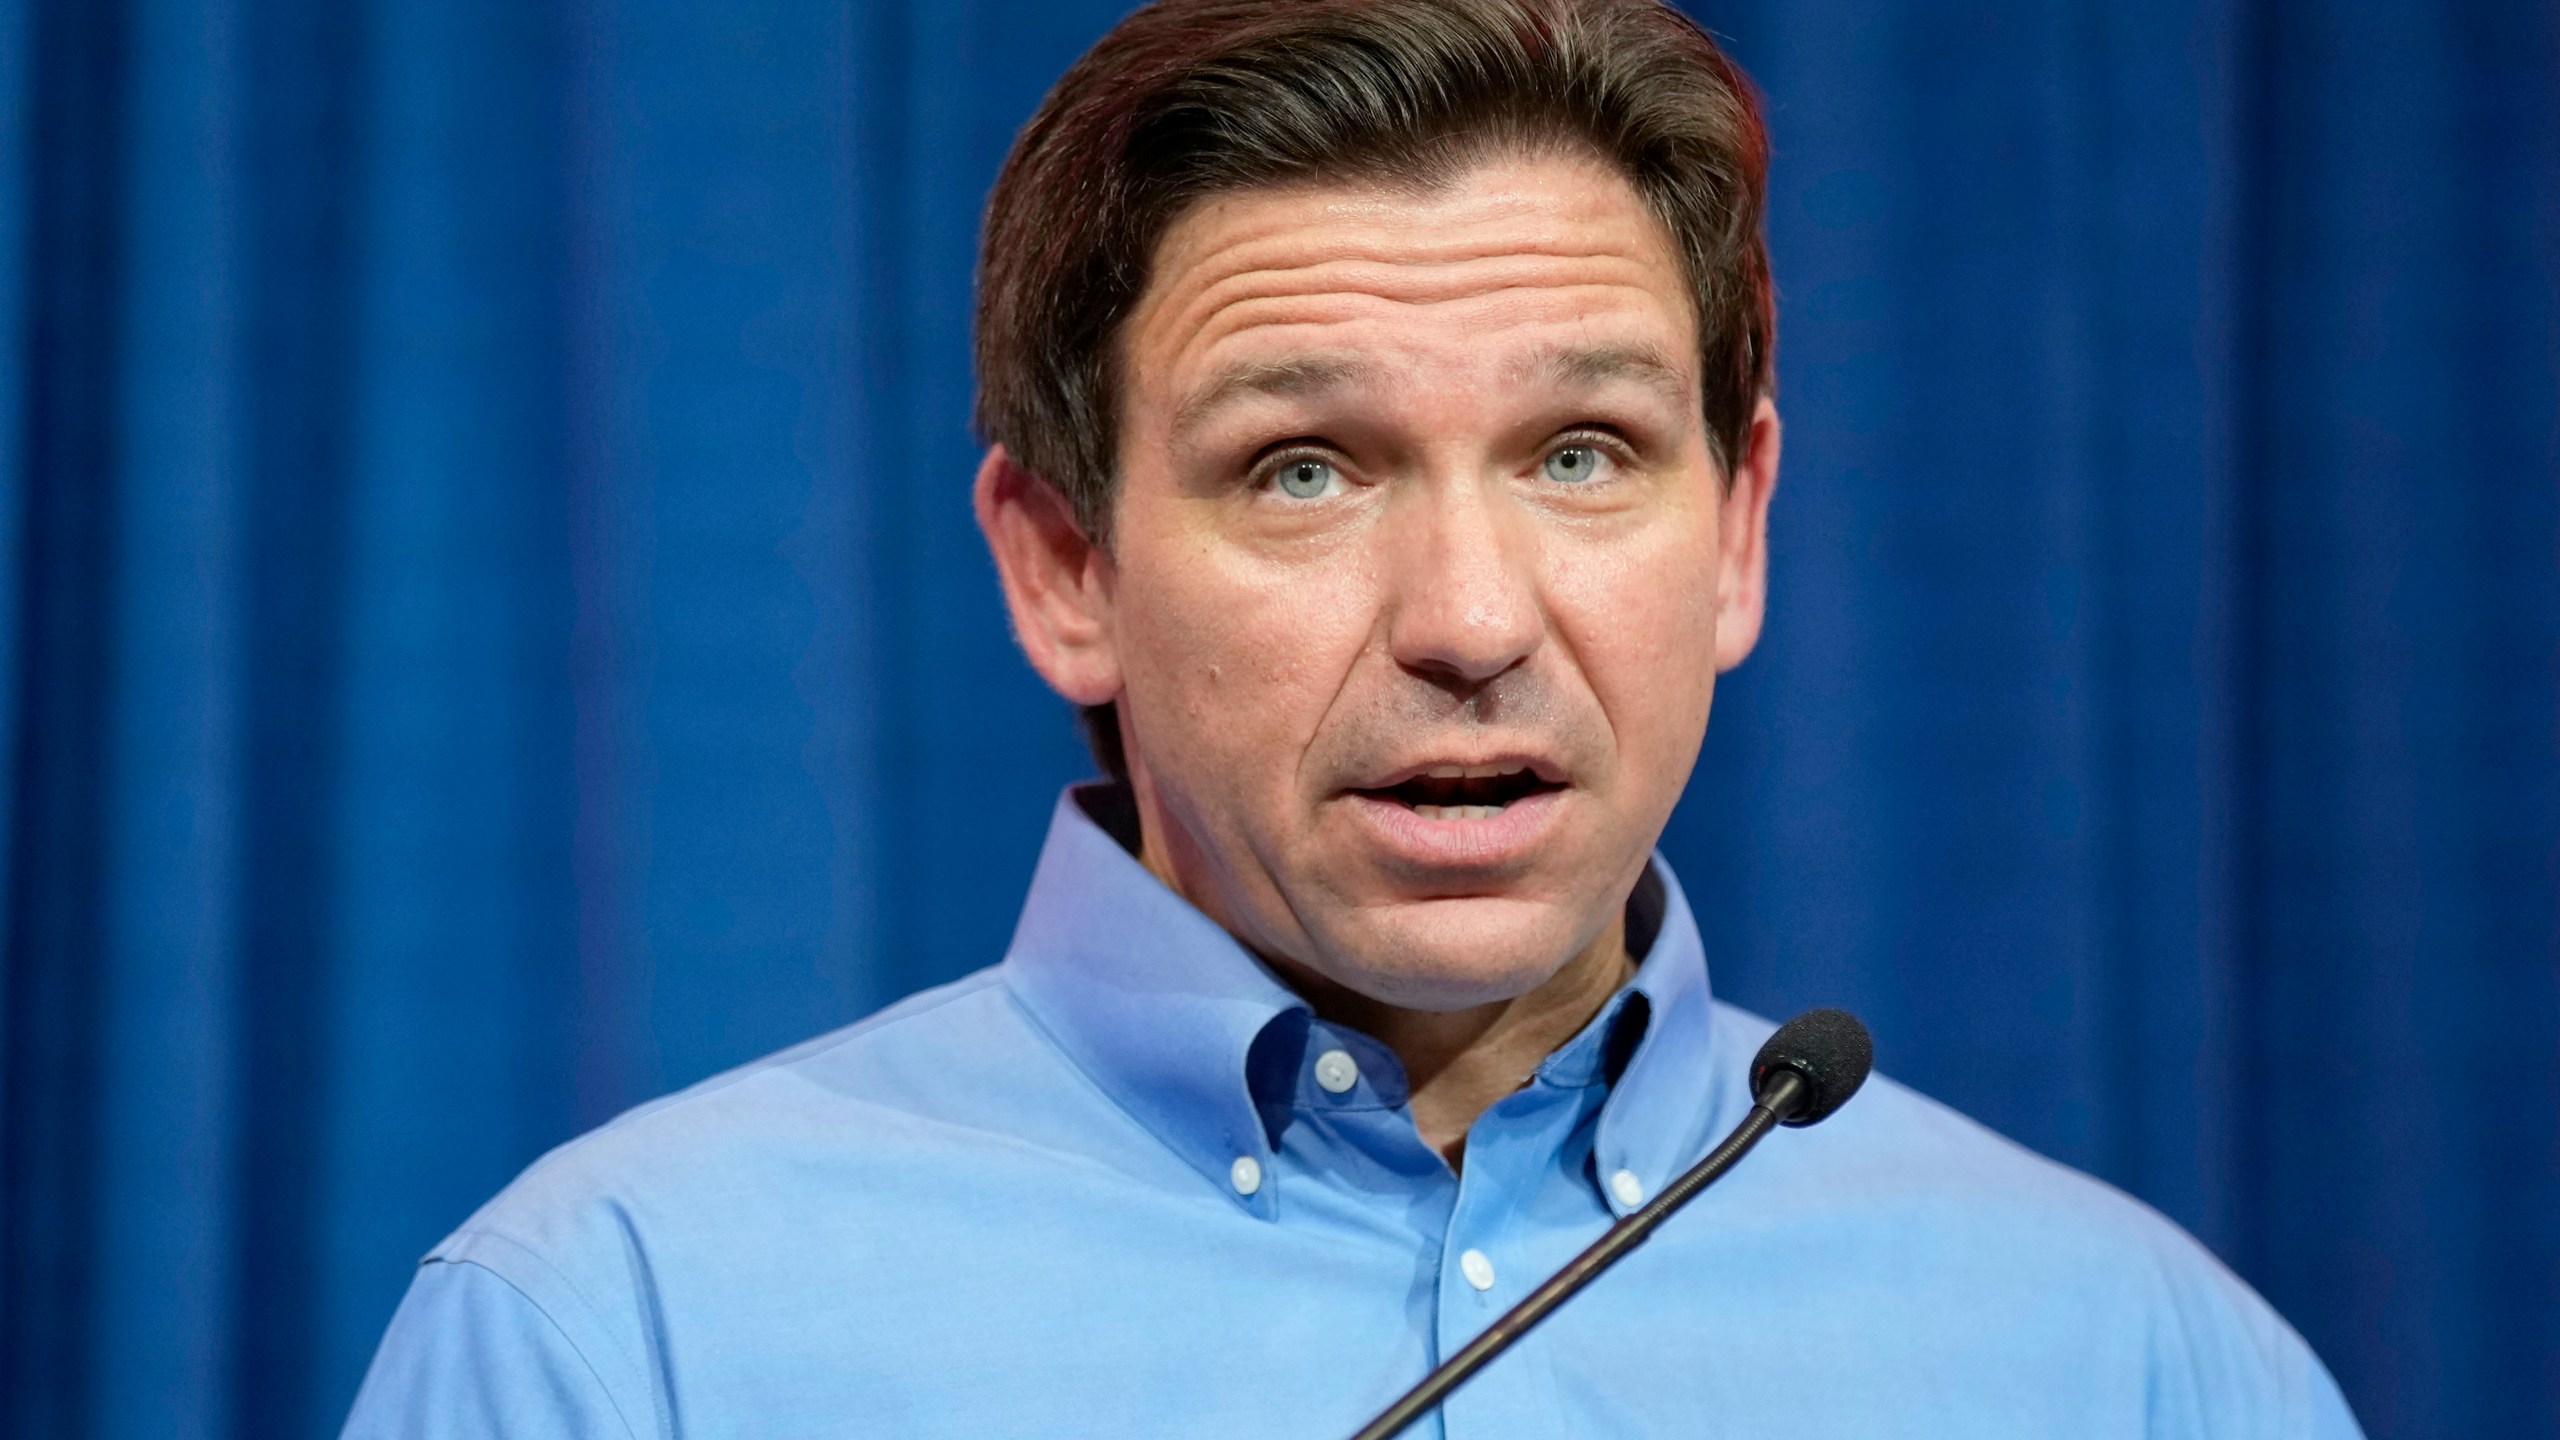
[[1336, 1071], [1245, 1174], [1477, 1269], [1628, 1189]]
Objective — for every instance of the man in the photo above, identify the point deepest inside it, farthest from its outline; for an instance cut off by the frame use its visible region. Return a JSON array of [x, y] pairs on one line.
[[1383, 445]]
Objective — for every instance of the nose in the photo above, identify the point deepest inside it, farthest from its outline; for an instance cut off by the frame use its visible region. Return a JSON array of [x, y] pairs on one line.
[[1466, 598]]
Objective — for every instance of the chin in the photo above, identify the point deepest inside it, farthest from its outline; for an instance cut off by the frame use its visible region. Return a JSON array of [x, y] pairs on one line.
[[1454, 954]]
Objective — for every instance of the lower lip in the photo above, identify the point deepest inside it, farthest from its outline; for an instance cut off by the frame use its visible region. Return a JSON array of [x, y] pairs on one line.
[[1500, 840]]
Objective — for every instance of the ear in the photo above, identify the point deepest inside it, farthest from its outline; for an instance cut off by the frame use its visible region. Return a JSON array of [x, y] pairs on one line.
[[1742, 568], [1057, 583]]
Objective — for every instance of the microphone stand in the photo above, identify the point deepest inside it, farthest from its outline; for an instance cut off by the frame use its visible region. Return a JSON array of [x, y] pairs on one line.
[[1779, 1098]]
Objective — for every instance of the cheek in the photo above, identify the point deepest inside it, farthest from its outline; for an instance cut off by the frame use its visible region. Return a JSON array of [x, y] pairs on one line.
[[1640, 618], [1231, 660]]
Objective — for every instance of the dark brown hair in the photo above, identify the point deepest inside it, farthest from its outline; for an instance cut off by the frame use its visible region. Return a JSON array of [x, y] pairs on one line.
[[1186, 99]]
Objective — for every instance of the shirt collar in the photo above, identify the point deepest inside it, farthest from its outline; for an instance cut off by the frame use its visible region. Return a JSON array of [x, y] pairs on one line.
[[1147, 995], [1162, 1008], [1670, 1093]]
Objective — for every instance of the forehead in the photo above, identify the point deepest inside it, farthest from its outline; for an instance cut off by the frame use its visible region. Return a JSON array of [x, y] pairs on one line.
[[1516, 266]]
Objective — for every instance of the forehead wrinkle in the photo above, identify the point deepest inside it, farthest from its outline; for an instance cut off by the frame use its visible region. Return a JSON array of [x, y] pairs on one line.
[[1578, 302], [1314, 246], [1242, 227], [1285, 258], [1237, 272], [1405, 280]]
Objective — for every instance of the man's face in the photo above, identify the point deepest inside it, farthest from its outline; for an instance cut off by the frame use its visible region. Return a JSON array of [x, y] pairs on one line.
[[1421, 570]]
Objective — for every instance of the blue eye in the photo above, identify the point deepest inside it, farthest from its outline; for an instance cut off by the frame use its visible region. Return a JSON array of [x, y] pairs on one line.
[[1573, 464], [1306, 479]]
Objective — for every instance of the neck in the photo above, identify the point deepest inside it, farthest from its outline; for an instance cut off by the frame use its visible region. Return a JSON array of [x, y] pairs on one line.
[[1459, 1062], [1456, 1062]]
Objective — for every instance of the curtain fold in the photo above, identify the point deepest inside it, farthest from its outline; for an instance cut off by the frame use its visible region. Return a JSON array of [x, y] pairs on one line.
[[492, 628]]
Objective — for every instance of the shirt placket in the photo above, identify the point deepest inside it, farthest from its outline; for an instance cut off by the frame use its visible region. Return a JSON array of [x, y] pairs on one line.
[[1491, 1260]]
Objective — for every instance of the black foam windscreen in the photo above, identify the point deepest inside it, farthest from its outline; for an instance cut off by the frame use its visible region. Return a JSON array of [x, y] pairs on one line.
[[1829, 1048]]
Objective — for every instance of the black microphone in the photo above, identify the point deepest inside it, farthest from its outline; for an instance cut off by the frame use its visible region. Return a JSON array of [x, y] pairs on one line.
[[1807, 1070]]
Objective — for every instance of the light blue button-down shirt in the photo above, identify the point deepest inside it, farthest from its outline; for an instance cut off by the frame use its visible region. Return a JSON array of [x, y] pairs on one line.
[[1125, 1184]]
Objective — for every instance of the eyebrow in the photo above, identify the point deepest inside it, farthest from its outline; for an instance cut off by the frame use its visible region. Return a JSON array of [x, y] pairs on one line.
[[1299, 375], [1560, 366], [1586, 366]]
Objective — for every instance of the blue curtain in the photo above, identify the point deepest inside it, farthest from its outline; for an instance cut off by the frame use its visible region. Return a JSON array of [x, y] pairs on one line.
[[492, 628]]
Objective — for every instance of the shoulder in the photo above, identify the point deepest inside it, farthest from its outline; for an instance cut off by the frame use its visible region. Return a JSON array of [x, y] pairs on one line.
[[682, 1219], [946, 1073], [1961, 1218], [1895, 1149]]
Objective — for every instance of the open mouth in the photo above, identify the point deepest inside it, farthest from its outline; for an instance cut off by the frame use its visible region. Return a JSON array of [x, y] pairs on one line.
[[1465, 792]]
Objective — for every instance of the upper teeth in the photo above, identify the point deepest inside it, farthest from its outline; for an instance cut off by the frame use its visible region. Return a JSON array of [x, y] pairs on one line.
[[1472, 772]]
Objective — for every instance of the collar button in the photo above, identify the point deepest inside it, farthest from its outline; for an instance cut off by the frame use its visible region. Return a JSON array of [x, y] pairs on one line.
[[1628, 1189]]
